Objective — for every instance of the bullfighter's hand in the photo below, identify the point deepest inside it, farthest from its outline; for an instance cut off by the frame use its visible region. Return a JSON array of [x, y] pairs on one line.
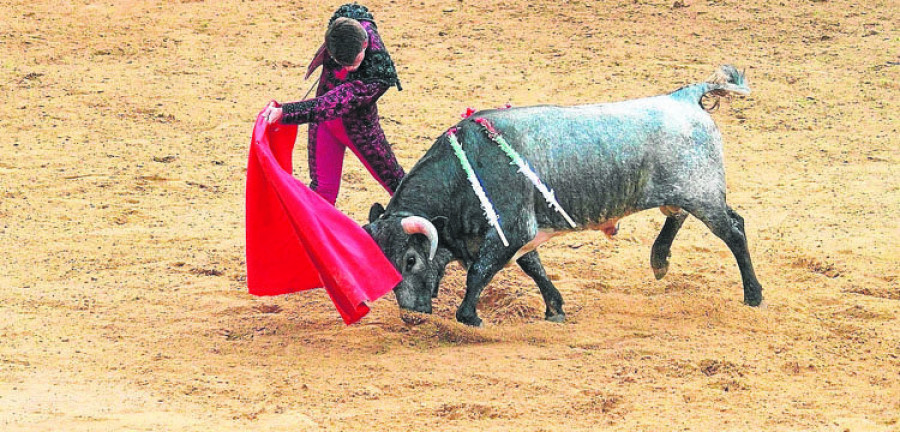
[[272, 114]]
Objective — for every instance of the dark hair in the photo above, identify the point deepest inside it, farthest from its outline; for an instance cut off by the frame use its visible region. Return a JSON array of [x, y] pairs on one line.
[[345, 39]]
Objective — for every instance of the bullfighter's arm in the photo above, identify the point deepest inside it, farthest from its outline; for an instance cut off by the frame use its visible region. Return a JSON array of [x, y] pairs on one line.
[[334, 104]]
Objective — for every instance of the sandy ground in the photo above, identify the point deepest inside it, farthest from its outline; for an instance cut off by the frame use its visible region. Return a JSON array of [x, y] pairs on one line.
[[123, 303]]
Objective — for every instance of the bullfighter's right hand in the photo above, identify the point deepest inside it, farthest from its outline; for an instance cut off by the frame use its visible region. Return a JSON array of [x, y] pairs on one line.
[[272, 113]]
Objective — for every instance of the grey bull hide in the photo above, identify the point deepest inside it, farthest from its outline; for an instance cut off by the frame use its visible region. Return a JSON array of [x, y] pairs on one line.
[[591, 165]]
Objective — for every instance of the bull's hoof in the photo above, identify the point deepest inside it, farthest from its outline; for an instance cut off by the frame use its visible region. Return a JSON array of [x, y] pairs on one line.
[[660, 272], [753, 301], [557, 318], [659, 261], [469, 320], [413, 318], [753, 298]]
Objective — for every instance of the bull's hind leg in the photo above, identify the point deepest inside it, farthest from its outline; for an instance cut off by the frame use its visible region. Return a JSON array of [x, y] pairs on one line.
[[531, 264], [660, 253], [729, 226]]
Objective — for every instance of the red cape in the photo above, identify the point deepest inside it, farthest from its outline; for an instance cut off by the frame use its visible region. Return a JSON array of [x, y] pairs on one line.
[[298, 241]]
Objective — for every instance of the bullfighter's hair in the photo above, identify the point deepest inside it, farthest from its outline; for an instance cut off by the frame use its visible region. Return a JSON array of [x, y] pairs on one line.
[[345, 39]]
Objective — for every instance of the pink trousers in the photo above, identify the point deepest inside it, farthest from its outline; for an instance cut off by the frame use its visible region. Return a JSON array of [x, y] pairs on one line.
[[331, 142]]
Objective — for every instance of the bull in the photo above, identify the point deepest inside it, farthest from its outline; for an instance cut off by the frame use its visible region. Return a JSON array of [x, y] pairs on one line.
[[581, 167]]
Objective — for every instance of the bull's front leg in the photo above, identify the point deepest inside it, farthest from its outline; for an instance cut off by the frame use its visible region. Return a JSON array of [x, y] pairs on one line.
[[492, 257]]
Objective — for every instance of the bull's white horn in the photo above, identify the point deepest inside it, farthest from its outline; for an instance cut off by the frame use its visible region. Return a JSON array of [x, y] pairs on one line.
[[420, 225]]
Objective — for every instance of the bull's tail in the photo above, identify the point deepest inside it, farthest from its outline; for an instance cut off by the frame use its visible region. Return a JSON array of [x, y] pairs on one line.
[[726, 81]]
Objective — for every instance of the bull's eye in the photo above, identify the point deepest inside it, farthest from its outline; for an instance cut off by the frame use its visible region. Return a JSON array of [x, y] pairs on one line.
[[410, 262]]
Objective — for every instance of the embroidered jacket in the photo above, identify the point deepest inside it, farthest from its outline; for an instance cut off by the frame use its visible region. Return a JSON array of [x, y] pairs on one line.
[[339, 95], [352, 97]]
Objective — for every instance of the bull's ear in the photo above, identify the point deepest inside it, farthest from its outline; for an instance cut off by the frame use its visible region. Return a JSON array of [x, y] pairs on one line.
[[375, 212], [442, 225]]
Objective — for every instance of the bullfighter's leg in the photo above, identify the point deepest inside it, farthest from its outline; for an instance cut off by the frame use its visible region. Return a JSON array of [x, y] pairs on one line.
[[729, 226], [531, 264], [492, 257], [374, 151], [660, 253], [326, 160]]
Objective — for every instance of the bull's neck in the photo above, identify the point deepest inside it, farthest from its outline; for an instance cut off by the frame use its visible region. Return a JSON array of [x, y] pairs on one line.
[[419, 201], [423, 191]]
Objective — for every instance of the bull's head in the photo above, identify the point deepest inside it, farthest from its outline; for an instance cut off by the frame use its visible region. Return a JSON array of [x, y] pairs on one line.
[[411, 244]]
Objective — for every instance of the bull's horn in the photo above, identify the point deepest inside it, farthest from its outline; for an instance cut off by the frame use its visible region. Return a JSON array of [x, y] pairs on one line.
[[420, 225]]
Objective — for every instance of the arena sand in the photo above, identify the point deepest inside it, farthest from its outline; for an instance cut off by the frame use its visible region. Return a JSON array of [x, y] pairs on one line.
[[123, 305]]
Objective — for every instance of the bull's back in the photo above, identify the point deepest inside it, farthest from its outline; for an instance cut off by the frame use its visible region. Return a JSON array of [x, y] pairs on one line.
[[608, 160]]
